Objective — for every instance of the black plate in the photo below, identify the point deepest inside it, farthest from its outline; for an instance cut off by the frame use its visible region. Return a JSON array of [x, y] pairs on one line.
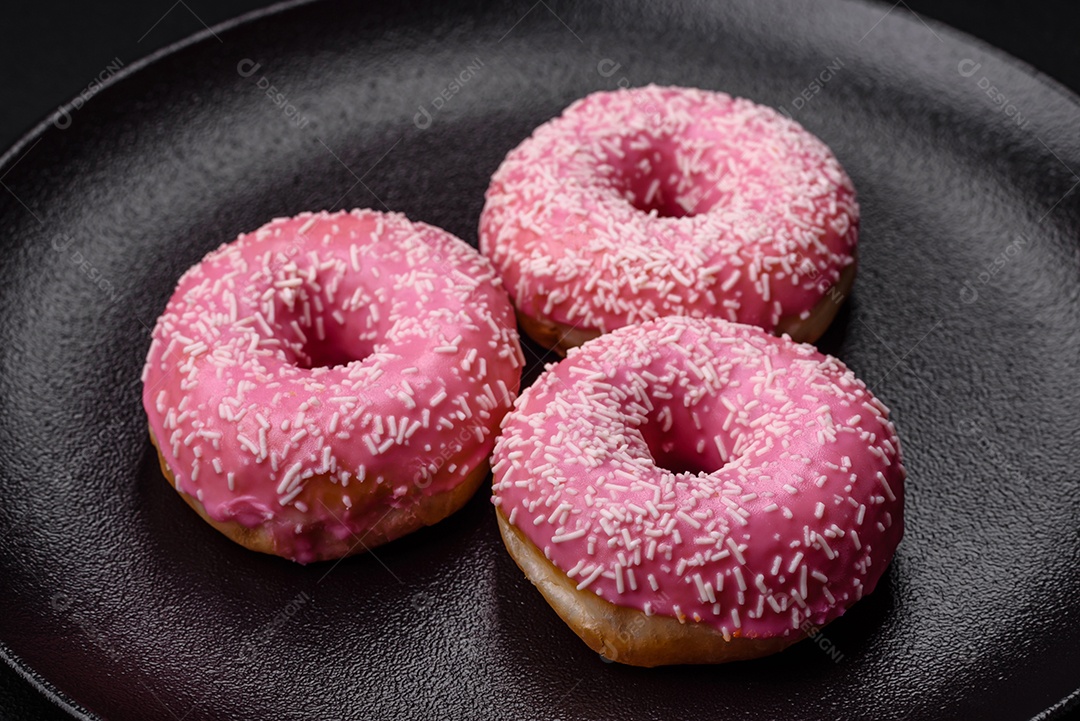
[[965, 320]]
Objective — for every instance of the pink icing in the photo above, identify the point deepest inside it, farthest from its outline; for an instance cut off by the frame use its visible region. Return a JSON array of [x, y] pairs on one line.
[[324, 369], [778, 498], [655, 201]]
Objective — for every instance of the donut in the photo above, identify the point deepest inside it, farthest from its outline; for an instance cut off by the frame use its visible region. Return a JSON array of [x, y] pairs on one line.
[[655, 201], [698, 491], [330, 382]]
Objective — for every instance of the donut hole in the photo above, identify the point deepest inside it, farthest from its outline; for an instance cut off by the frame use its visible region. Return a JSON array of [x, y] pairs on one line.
[[676, 449], [668, 456], [339, 345], [651, 174], [645, 195], [328, 355], [304, 322]]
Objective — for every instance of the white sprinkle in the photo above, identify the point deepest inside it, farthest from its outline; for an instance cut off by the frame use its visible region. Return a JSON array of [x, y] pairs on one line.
[[560, 538], [290, 475], [285, 500], [592, 577], [248, 444], [885, 484]]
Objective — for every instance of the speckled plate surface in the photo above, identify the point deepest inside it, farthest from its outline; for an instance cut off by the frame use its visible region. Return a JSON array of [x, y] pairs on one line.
[[965, 320]]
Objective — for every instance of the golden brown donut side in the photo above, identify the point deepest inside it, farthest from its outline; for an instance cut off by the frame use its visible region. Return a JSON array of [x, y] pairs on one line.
[[560, 337], [627, 635], [395, 524]]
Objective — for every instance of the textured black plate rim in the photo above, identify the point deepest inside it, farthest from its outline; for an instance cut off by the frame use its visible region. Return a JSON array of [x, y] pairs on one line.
[[147, 60], [16, 151]]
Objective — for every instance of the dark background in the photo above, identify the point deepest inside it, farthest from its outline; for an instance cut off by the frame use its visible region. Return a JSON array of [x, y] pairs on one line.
[[51, 49]]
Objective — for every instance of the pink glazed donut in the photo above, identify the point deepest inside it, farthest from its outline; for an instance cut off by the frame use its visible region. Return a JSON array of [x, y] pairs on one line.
[[331, 382], [698, 491], [655, 201]]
